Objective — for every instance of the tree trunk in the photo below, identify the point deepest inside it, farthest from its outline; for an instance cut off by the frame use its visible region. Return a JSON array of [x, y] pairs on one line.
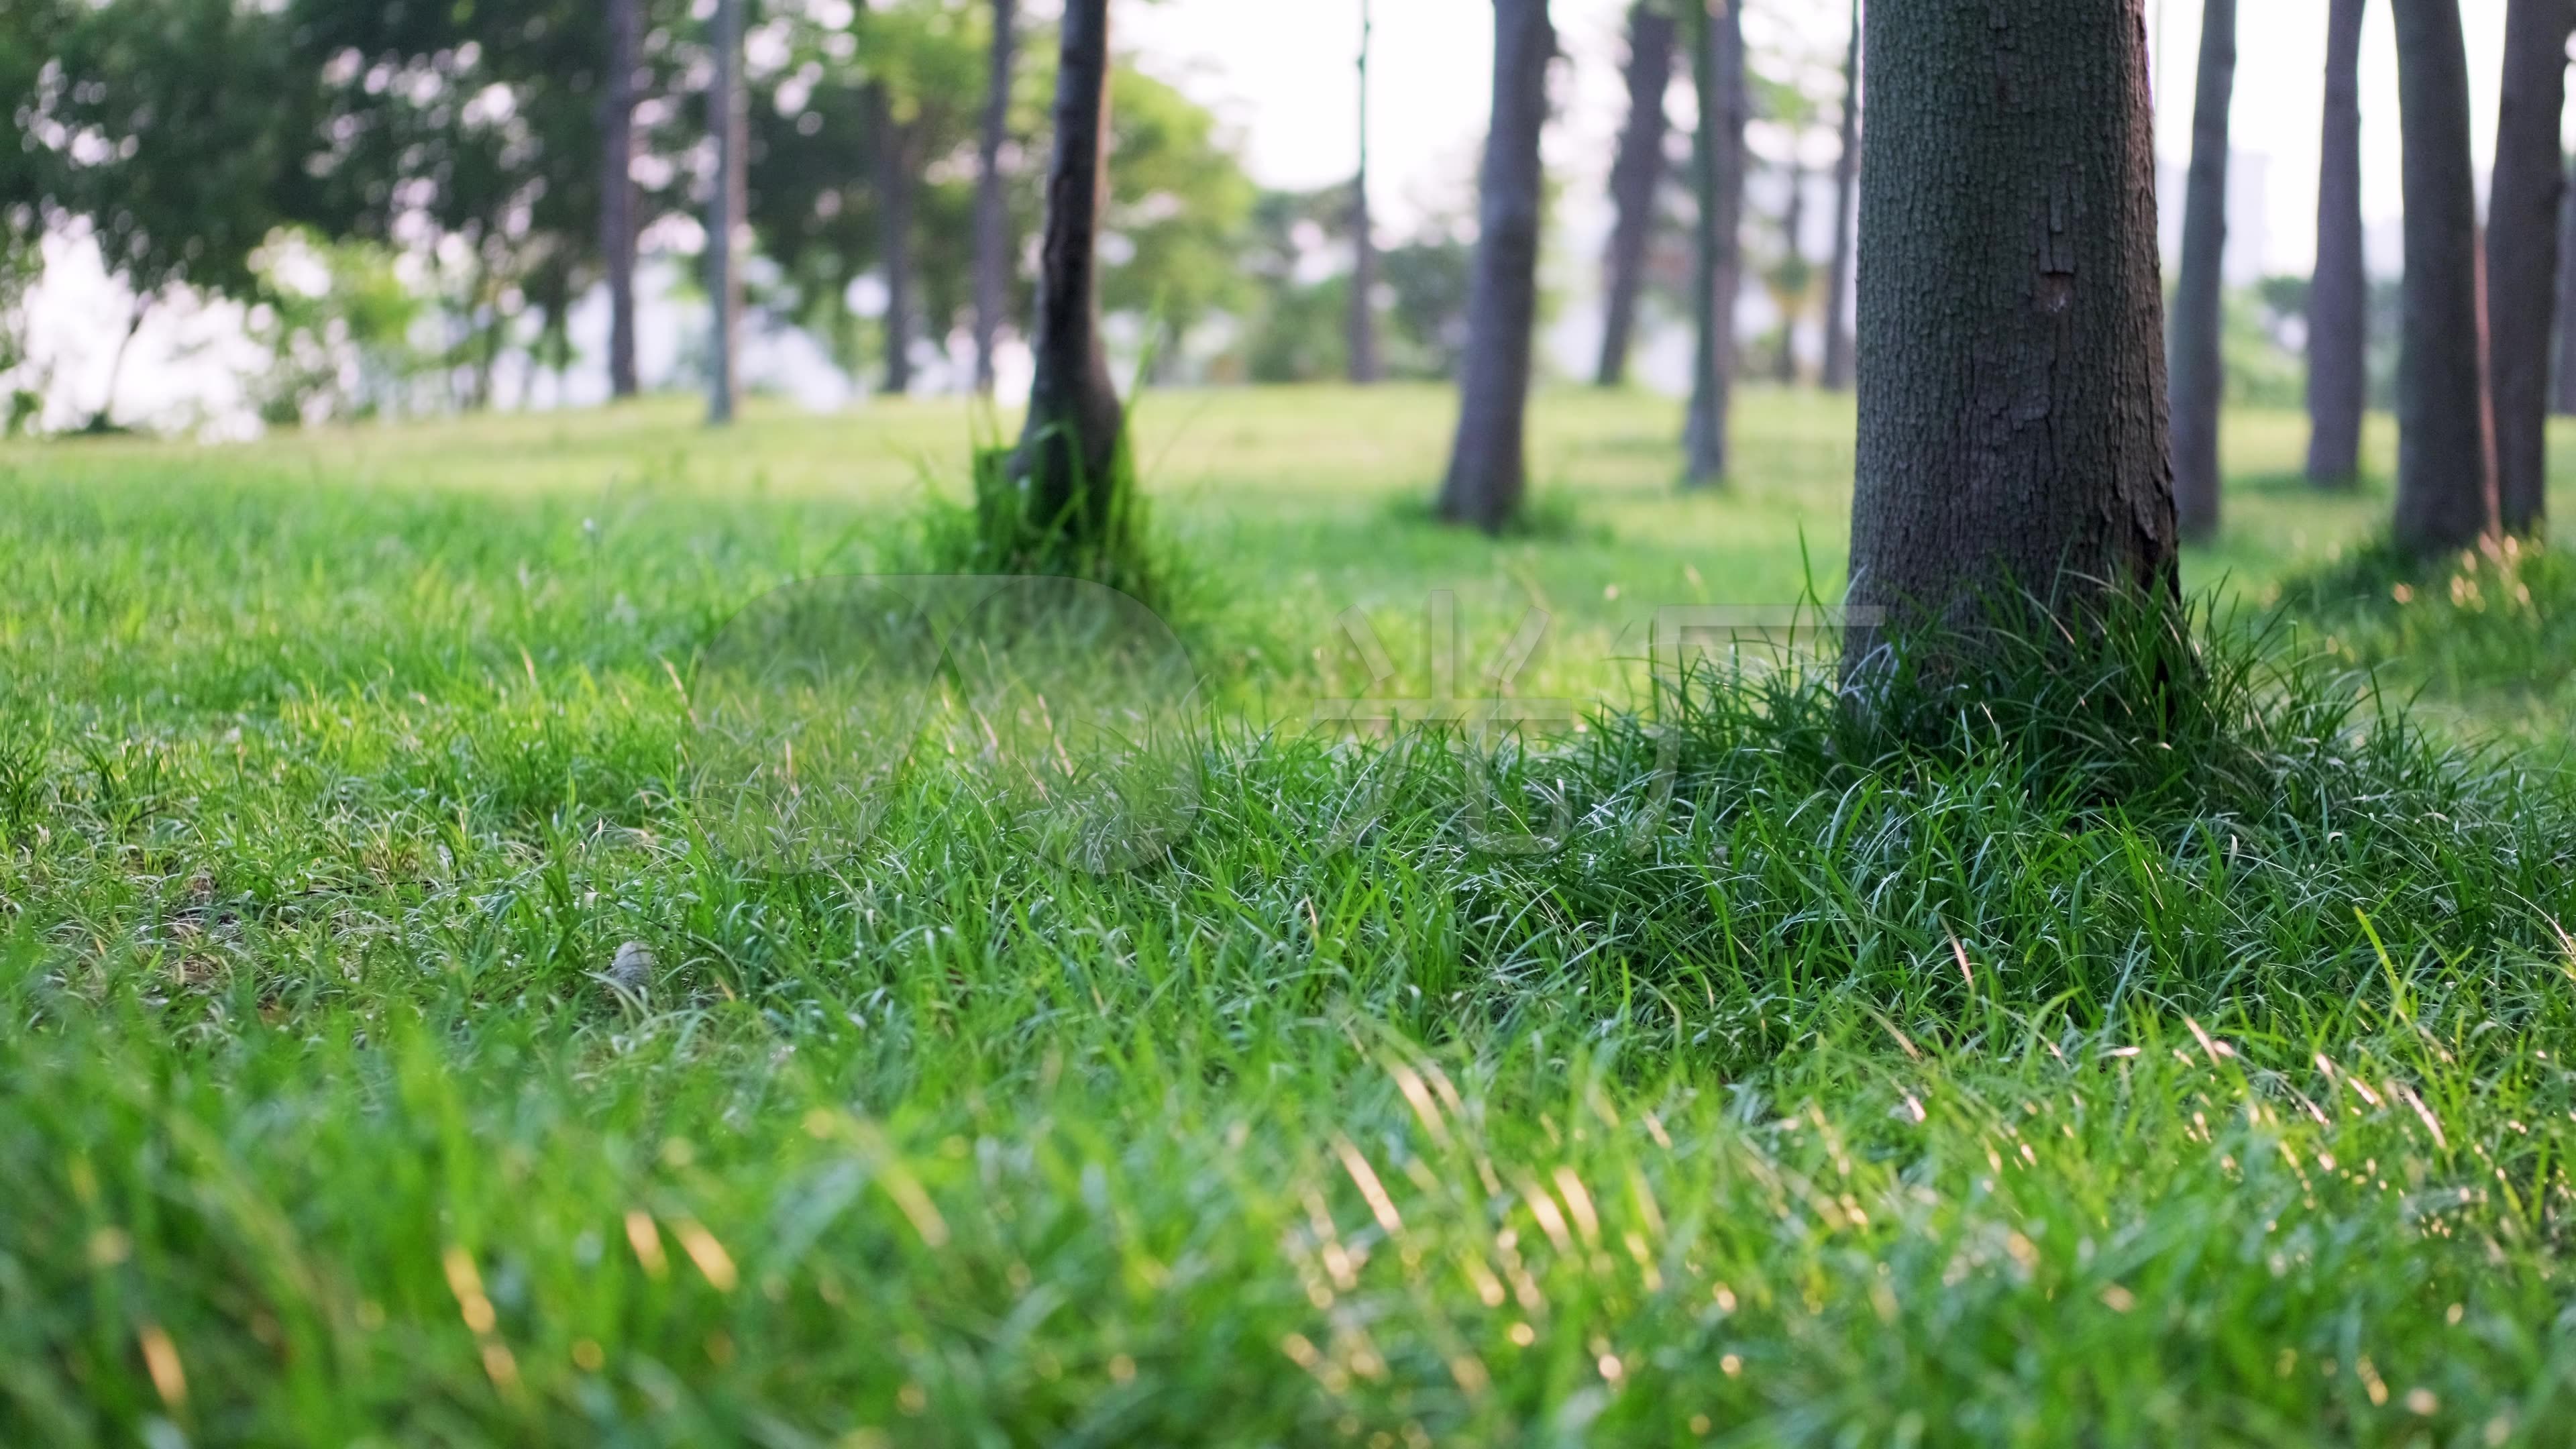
[[992, 214], [2339, 294], [617, 189], [1365, 364], [1487, 467], [2446, 497], [105, 418], [2522, 252], [1793, 223], [1838, 338], [2013, 427], [2199, 362], [1717, 164], [727, 118], [2564, 396], [1068, 454], [1636, 184], [894, 238]]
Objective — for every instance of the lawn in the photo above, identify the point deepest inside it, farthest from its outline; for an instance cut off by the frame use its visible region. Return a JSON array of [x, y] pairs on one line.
[[390, 1057]]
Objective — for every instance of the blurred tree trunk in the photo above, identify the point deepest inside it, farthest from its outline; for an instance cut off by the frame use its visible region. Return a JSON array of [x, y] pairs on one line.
[[2522, 251], [104, 420], [617, 189], [1636, 184], [895, 186], [1717, 167], [2446, 491], [2012, 424], [1487, 466], [2564, 399], [1838, 338], [2339, 296], [992, 213], [1365, 365], [2199, 321], [1068, 455], [728, 118], [1793, 297]]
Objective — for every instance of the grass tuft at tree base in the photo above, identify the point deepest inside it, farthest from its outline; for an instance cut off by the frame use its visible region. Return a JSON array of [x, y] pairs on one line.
[[1102, 536]]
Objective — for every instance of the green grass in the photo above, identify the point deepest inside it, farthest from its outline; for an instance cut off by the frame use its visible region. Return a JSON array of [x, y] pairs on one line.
[[2022, 1084]]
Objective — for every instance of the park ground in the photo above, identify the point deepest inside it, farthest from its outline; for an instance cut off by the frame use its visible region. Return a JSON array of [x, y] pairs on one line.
[[384, 1058]]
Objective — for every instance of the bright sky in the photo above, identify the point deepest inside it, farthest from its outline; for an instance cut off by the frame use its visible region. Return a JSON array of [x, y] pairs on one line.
[[1281, 70]]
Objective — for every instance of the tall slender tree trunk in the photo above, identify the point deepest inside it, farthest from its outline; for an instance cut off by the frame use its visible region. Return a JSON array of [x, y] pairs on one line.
[[1838, 338], [105, 417], [2013, 425], [2522, 251], [1717, 166], [1487, 465], [2563, 395], [1365, 365], [2446, 494], [992, 213], [1636, 184], [2199, 364], [1068, 455], [728, 117], [895, 183], [1793, 297], [617, 189], [2339, 294]]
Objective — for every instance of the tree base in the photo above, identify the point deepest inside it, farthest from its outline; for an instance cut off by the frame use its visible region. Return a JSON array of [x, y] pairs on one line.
[[1007, 534]]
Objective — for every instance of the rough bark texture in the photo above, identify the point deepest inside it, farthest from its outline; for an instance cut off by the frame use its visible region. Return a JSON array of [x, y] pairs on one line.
[[1068, 453], [2199, 368], [1717, 173], [895, 187], [1838, 337], [617, 188], [2564, 393], [2446, 495], [1793, 226], [1636, 183], [1487, 470], [2522, 251], [992, 214], [2013, 426], [729, 118], [1365, 365], [2339, 295]]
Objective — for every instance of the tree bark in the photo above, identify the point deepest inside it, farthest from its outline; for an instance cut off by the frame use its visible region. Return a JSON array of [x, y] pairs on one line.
[[1636, 184], [895, 182], [728, 118], [1068, 453], [617, 189], [992, 214], [1838, 338], [2013, 426], [2339, 293], [1793, 223], [2522, 252], [1487, 465], [2199, 362], [2446, 495], [1717, 165], [2564, 394]]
